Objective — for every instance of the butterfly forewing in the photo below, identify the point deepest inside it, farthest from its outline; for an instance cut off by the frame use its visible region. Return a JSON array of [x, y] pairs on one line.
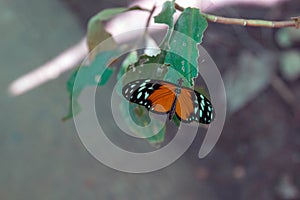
[[154, 95], [206, 111], [193, 106], [138, 92], [162, 98]]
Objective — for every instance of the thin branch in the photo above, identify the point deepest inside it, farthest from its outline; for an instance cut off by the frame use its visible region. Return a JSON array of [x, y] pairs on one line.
[[149, 18], [284, 91], [251, 22], [294, 22], [286, 94]]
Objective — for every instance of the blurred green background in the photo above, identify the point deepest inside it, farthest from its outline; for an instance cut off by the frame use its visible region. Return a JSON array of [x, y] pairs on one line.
[[257, 156]]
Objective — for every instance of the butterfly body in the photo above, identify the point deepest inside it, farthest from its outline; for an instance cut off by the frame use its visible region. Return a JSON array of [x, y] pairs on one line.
[[164, 97], [177, 93], [173, 107]]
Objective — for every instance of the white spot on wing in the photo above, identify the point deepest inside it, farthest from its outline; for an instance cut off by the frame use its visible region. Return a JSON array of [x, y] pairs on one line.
[[202, 103], [139, 95], [202, 107], [141, 89], [196, 109]]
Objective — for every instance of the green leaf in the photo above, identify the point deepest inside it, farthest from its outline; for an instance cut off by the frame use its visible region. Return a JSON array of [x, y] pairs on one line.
[[131, 58], [96, 73], [166, 17], [139, 118], [89, 75], [166, 14], [290, 65], [192, 24], [183, 53], [73, 110], [95, 30], [139, 114], [106, 76], [176, 120], [146, 67], [157, 139]]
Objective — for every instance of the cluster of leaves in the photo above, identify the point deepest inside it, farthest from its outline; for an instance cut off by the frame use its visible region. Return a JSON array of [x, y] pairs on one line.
[[178, 51]]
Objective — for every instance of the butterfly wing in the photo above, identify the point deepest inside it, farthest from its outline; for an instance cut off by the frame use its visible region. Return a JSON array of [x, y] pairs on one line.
[[155, 95], [193, 106]]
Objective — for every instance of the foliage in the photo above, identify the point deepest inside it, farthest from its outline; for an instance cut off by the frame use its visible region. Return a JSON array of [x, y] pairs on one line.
[[178, 52], [190, 24], [96, 32], [94, 74]]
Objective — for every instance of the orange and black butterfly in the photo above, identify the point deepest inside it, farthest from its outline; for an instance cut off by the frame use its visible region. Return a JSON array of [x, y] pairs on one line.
[[164, 97]]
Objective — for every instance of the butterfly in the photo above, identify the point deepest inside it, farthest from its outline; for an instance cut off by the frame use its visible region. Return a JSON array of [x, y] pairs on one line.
[[163, 97]]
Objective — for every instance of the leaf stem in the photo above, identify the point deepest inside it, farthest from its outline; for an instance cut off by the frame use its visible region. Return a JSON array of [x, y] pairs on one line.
[[294, 22], [149, 17], [139, 8]]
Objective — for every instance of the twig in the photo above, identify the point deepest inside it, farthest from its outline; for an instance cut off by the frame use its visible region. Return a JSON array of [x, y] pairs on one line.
[[283, 90], [150, 15], [286, 94], [294, 22]]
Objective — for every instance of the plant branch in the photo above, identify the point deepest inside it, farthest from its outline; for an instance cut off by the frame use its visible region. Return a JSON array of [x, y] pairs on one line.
[[286, 94], [294, 22], [149, 18]]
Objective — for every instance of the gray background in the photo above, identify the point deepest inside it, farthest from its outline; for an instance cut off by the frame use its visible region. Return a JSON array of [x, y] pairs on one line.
[[257, 156]]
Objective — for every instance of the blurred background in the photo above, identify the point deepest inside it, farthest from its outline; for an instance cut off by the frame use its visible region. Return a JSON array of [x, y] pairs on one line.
[[256, 157]]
